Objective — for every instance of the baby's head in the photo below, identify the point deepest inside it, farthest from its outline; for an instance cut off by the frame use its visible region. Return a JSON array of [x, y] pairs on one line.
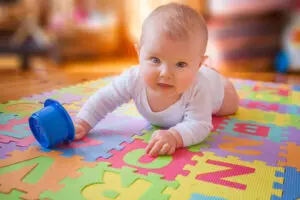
[[172, 46]]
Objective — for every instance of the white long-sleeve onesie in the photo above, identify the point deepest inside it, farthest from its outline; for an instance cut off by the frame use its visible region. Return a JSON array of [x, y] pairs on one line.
[[190, 116]]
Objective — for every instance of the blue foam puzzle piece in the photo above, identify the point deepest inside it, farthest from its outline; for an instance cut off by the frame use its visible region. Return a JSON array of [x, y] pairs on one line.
[[296, 88], [203, 197], [276, 133], [291, 186], [5, 118], [91, 153], [21, 131]]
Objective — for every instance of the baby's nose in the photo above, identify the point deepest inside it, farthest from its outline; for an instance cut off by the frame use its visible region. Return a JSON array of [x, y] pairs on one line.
[[165, 72]]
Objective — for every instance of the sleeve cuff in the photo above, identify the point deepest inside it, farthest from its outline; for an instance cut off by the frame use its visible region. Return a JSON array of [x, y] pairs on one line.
[[88, 117], [186, 135]]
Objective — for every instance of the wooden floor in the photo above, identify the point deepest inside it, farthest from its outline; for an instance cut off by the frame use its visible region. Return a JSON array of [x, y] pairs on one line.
[[46, 76]]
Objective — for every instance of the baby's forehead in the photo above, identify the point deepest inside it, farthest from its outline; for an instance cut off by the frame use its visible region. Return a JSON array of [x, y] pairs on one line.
[[181, 26], [161, 46], [164, 32]]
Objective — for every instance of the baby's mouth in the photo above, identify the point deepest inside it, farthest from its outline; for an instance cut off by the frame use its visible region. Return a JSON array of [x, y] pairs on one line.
[[164, 85]]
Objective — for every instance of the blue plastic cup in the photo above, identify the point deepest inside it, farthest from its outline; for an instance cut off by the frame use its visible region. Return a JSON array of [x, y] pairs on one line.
[[52, 125]]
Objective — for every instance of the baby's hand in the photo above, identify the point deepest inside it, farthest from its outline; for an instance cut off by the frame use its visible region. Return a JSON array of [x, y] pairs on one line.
[[81, 128], [163, 142]]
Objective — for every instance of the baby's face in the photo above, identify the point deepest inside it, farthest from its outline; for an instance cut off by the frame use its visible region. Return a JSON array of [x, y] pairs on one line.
[[169, 67]]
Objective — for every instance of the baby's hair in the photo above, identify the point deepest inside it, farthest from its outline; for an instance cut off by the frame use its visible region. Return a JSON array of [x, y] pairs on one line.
[[178, 21]]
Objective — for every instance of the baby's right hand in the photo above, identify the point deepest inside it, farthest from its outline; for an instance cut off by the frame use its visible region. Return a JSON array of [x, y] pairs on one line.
[[81, 128]]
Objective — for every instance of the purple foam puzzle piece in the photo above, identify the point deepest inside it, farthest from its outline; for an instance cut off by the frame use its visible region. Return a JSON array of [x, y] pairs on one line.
[[69, 98], [6, 148], [244, 102], [41, 97], [63, 98], [270, 84], [91, 153], [122, 125], [243, 82], [294, 135], [269, 150]]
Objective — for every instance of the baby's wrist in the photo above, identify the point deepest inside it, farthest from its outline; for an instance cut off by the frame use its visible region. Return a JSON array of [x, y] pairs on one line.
[[83, 123], [178, 138]]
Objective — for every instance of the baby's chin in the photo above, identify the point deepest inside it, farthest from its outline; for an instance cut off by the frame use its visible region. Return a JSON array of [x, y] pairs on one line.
[[169, 92]]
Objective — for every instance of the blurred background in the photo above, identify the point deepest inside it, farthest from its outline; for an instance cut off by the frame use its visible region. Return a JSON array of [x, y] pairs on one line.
[[78, 40]]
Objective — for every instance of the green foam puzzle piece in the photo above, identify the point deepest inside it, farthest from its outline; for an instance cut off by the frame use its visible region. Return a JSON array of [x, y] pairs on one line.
[[21, 108], [13, 195], [110, 194], [132, 157], [95, 175], [146, 137], [197, 147], [294, 121], [266, 96], [42, 165], [73, 188]]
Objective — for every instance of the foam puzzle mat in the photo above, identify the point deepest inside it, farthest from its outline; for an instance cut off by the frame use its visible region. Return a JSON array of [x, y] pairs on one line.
[[254, 154]]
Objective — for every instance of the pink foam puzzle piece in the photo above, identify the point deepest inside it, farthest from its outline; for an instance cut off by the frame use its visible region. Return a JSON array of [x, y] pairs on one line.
[[266, 106], [84, 142], [217, 121], [17, 128], [272, 90], [133, 155], [22, 142]]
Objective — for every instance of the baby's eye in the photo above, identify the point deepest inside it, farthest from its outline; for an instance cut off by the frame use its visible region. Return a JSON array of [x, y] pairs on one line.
[[155, 60], [181, 64]]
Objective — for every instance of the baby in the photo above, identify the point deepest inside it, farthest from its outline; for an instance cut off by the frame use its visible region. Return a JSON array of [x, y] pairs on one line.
[[171, 87]]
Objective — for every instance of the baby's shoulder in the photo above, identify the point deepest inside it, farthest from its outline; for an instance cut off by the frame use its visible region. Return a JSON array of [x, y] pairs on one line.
[[131, 74], [134, 81], [201, 82], [199, 87], [132, 71]]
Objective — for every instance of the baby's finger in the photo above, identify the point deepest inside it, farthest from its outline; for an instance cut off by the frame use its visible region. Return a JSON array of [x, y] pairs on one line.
[[171, 150], [79, 135], [156, 148], [165, 148], [150, 145]]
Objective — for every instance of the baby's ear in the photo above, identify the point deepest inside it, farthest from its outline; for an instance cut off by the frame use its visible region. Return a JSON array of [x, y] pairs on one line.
[[205, 61], [137, 48]]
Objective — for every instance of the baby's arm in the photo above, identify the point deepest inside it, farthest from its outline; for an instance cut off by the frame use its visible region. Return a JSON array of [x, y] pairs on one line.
[[197, 122], [105, 100], [194, 128]]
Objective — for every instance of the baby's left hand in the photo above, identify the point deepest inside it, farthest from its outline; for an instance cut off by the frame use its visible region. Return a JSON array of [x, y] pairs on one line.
[[162, 142]]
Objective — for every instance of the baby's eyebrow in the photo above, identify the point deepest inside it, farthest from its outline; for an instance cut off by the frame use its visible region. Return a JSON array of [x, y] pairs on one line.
[[182, 60], [153, 53]]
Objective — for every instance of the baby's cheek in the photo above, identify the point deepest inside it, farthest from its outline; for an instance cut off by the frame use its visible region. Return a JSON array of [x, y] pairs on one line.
[[150, 77], [186, 80]]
